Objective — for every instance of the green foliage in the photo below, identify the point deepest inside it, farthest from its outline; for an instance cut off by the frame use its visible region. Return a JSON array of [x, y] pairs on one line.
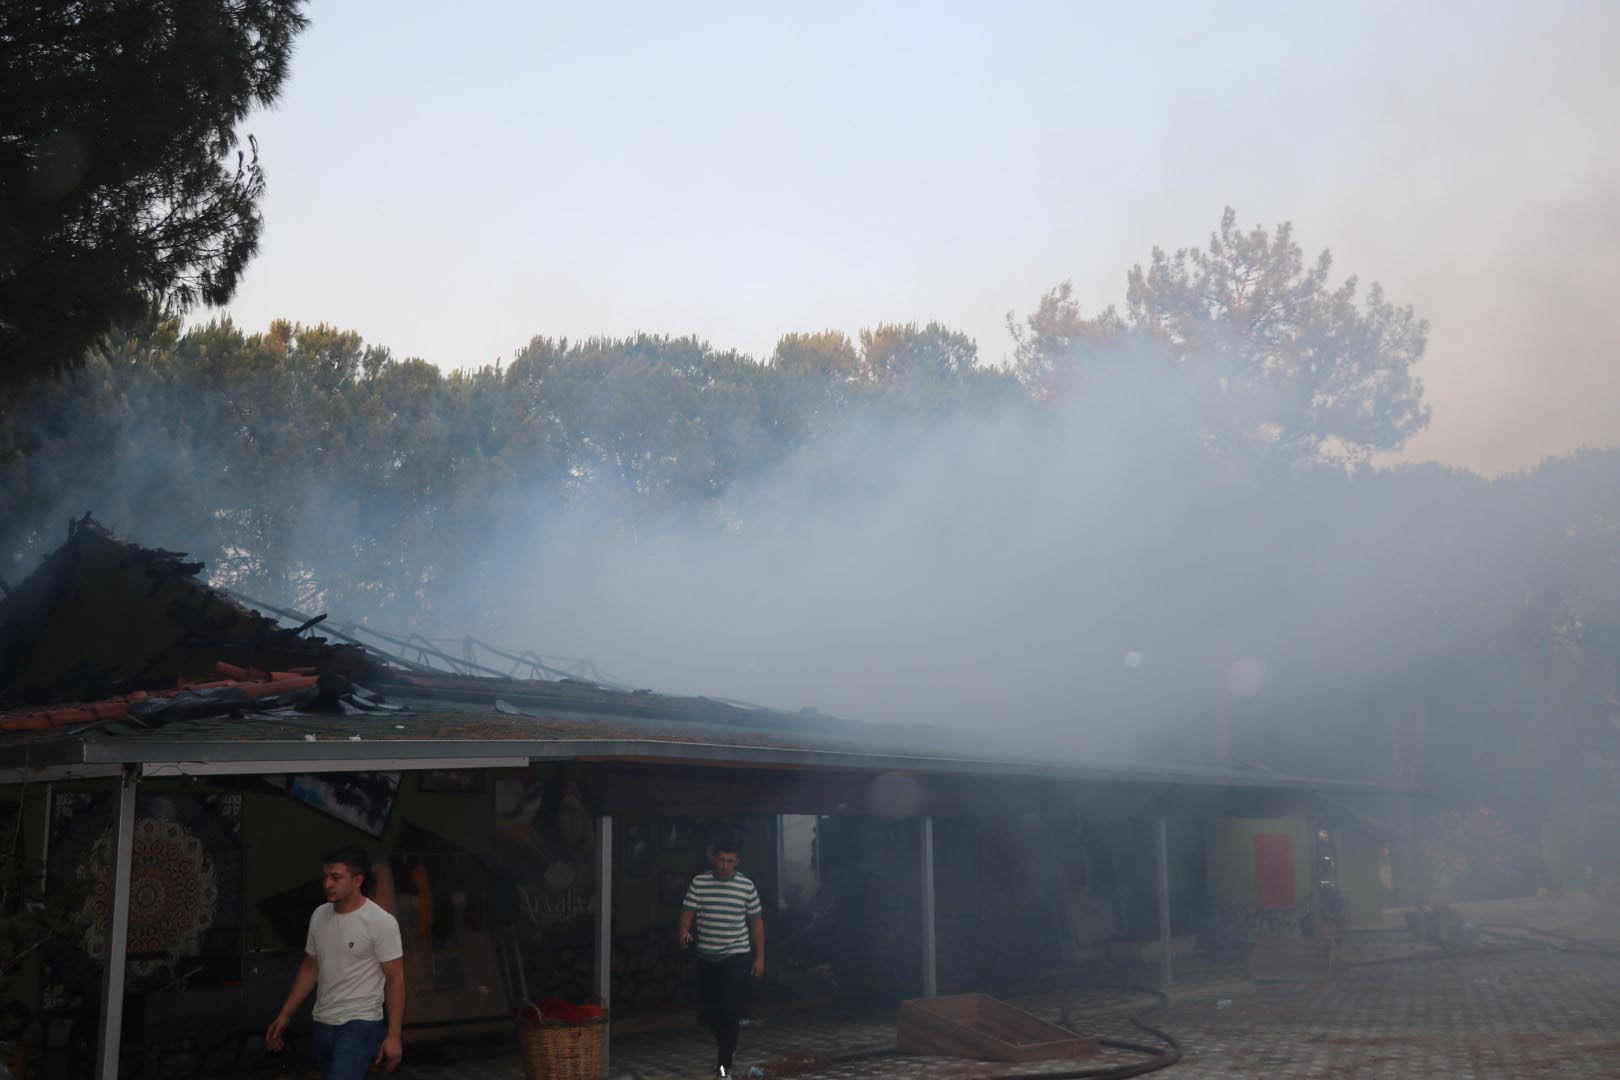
[[915, 358], [1293, 364], [121, 181], [303, 465], [827, 357], [1051, 347]]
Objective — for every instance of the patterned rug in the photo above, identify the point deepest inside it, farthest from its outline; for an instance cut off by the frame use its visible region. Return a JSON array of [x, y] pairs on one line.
[[185, 881]]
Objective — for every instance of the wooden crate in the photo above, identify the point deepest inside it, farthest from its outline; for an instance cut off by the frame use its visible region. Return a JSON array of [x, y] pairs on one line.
[[978, 1026]]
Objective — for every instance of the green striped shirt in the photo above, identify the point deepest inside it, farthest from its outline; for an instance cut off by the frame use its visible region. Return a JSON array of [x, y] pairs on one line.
[[723, 909]]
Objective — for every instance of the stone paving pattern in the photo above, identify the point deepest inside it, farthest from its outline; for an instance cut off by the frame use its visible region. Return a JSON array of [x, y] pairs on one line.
[[1395, 1010]]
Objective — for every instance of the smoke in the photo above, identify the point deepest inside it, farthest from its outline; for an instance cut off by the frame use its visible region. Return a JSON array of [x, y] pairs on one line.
[[1105, 575], [1091, 576]]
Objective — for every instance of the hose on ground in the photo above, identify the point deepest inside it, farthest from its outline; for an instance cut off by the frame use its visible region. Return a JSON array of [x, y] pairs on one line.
[[1160, 1057]]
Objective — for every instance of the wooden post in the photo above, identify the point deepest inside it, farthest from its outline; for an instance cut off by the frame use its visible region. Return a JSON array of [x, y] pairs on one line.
[[112, 972]]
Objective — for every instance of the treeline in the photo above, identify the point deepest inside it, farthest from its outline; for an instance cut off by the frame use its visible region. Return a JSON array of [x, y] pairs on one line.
[[309, 466], [269, 453]]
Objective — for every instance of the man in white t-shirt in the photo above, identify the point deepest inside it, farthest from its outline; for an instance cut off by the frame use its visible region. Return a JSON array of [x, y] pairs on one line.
[[355, 964]]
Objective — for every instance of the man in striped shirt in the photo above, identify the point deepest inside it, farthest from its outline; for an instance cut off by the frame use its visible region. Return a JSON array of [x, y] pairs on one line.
[[722, 916]]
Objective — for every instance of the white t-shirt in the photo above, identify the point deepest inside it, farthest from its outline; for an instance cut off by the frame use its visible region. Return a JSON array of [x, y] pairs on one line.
[[349, 952]]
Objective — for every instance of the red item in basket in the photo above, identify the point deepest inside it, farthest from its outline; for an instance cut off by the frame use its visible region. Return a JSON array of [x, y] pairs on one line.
[[558, 1009]]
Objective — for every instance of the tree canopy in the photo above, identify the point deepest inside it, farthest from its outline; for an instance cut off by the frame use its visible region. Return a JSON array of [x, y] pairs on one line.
[[122, 182], [1292, 363]]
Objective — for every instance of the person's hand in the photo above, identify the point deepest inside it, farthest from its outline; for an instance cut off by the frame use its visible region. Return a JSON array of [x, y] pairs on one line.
[[758, 970], [389, 1053], [272, 1035], [686, 938]]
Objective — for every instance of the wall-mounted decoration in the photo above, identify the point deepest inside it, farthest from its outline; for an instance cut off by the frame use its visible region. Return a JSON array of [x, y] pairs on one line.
[[451, 781], [517, 810], [363, 800], [677, 834], [545, 843], [185, 882], [637, 846]]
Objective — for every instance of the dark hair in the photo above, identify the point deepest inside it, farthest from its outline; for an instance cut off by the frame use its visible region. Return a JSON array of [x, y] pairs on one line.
[[726, 842], [352, 857]]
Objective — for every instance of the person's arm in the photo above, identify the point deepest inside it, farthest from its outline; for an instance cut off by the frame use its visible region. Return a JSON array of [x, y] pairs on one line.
[[689, 909], [303, 983], [685, 934], [756, 931], [393, 1047]]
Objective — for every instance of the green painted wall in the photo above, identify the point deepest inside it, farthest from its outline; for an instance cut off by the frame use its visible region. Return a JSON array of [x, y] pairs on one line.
[[1229, 856], [284, 838]]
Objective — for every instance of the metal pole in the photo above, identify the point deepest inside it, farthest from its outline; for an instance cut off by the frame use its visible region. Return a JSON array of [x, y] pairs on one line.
[[112, 972], [930, 957], [1163, 845], [604, 923], [44, 840], [781, 861]]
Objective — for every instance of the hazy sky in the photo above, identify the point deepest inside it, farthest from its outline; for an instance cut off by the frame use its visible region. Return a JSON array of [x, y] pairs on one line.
[[451, 183]]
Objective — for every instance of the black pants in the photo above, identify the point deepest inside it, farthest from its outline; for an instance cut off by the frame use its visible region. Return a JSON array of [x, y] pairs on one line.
[[720, 997]]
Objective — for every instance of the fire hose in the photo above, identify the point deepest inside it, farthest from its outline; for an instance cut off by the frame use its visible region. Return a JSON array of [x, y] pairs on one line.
[[1520, 939], [1160, 1058]]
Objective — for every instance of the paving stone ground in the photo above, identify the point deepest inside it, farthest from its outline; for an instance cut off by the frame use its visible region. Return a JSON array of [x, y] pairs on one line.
[[1395, 1010]]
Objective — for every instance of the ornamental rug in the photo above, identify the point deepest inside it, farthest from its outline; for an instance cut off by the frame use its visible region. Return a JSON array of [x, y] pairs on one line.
[[185, 883]]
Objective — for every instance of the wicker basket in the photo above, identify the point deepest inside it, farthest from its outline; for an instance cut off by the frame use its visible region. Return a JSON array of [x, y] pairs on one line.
[[553, 1050]]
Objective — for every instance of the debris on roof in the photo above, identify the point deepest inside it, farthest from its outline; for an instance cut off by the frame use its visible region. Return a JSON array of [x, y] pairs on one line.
[[236, 691], [102, 617]]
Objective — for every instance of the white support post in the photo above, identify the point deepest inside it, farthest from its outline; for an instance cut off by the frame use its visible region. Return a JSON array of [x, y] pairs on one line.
[[112, 972], [930, 971], [1163, 846], [604, 924], [781, 861]]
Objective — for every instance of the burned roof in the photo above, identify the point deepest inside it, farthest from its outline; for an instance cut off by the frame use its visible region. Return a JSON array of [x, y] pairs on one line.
[[124, 657], [102, 616]]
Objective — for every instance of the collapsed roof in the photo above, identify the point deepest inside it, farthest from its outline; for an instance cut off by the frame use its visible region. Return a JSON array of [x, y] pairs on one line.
[[102, 616]]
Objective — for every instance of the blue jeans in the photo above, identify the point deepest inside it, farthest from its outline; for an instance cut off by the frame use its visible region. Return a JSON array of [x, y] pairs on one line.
[[345, 1051]]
